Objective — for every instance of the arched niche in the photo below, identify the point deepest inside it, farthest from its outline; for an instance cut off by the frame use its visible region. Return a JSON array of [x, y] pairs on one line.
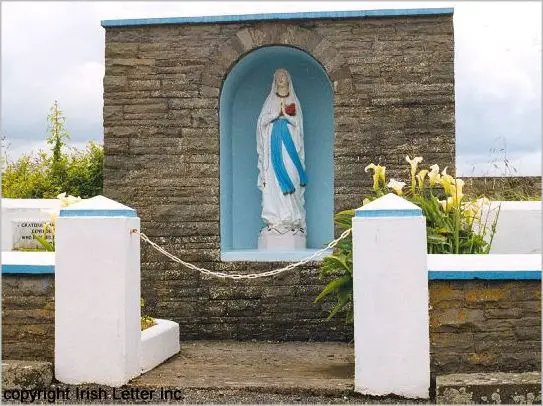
[[242, 97]]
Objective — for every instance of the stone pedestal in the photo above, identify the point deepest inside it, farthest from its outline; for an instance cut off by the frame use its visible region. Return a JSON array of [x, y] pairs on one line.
[[273, 240]]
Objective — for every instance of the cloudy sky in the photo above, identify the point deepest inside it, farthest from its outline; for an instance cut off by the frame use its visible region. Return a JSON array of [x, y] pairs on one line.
[[55, 51]]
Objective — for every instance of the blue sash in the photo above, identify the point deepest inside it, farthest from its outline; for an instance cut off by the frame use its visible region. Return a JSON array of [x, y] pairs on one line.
[[281, 135]]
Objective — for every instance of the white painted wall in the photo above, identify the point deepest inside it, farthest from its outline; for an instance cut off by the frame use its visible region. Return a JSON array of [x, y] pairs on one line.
[[23, 210], [390, 294], [519, 227], [18, 258], [158, 343], [484, 263]]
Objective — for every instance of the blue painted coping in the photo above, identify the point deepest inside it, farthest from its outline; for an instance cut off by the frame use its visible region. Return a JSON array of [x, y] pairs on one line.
[[279, 16], [28, 269], [432, 275], [389, 213], [484, 275], [98, 213]]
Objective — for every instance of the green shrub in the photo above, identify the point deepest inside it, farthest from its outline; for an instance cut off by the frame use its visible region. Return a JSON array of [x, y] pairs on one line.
[[37, 176], [44, 175]]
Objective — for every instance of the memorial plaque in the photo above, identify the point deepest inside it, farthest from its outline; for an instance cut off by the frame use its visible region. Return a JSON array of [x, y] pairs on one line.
[[24, 231]]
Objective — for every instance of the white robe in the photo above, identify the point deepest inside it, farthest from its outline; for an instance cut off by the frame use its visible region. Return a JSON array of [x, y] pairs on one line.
[[282, 213]]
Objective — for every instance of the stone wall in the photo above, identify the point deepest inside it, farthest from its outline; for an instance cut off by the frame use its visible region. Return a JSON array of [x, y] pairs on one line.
[[28, 317], [475, 326], [480, 326], [393, 80]]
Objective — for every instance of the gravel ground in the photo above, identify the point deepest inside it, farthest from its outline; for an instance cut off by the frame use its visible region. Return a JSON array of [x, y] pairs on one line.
[[214, 396]]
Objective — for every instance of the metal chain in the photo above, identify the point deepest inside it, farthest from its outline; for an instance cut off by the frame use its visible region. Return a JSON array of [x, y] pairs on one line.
[[273, 272]]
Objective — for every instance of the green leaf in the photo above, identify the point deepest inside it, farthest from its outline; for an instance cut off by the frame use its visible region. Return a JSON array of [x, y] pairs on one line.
[[44, 242], [343, 300], [339, 262], [436, 239], [333, 285]]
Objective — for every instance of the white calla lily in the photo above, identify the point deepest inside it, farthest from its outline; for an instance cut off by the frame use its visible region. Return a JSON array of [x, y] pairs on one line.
[[434, 175], [397, 186]]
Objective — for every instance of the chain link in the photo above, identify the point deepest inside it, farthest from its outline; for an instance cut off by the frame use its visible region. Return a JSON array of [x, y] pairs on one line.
[[273, 272]]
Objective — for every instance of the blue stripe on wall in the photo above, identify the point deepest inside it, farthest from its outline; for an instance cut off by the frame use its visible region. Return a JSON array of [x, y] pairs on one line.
[[279, 16], [28, 269], [432, 275], [97, 213], [388, 213], [486, 275]]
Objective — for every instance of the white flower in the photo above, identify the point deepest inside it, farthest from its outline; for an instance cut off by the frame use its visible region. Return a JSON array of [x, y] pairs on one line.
[[447, 181], [396, 186], [420, 178], [458, 184], [414, 163], [378, 174], [434, 175], [370, 166]]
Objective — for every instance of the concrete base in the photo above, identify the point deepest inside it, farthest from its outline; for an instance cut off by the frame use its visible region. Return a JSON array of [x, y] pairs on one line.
[[273, 240], [158, 343], [493, 387]]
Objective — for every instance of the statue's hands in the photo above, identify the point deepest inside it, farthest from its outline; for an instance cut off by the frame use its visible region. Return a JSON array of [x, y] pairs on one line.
[[283, 112]]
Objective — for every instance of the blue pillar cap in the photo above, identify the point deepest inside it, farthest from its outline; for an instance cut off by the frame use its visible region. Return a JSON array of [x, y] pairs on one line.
[[390, 205], [98, 206]]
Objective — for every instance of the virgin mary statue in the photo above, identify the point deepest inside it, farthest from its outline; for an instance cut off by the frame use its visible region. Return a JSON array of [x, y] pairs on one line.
[[281, 170]]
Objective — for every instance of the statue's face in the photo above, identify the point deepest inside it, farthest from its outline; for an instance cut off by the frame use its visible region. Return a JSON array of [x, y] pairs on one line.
[[281, 78]]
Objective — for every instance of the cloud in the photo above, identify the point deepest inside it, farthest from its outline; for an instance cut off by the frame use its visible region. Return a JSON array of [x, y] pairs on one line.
[[498, 82], [55, 51]]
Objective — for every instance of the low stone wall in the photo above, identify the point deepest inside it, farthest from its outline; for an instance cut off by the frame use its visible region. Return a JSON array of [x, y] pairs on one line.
[[478, 326], [279, 308], [475, 326], [28, 317]]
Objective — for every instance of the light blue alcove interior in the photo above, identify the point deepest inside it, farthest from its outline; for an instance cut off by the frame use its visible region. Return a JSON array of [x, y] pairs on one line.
[[242, 97]]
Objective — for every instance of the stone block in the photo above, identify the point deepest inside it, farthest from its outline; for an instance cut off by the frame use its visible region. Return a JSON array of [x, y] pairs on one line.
[[121, 49], [194, 103], [457, 319], [503, 313], [487, 295], [146, 108], [129, 62], [528, 333], [460, 342], [234, 292], [143, 84], [246, 39], [18, 374], [494, 388]]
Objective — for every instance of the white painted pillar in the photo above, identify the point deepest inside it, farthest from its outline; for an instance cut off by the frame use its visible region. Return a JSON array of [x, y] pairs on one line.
[[97, 293], [390, 293]]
